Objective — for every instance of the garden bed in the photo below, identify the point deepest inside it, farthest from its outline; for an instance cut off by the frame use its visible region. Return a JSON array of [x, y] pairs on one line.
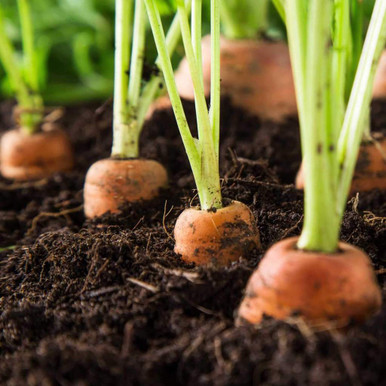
[[108, 302]]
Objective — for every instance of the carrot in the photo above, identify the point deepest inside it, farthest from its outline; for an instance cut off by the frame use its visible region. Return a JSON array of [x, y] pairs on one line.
[[315, 276], [34, 149], [320, 287], [379, 90], [218, 236], [370, 171], [33, 156], [214, 233], [112, 182], [255, 74], [299, 179]]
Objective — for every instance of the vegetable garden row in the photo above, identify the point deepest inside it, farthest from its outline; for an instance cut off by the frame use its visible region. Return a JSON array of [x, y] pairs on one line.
[[220, 221]]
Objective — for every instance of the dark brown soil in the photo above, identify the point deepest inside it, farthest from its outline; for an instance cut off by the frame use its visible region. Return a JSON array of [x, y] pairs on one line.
[[107, 302]]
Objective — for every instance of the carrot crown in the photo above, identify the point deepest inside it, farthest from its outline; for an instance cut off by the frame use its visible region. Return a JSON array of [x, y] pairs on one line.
[[24, 77], [202, 152], [321, 42]]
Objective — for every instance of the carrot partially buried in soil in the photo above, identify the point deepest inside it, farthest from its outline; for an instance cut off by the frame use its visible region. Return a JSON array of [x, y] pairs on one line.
[[339, 287], [370, 171], [35, 149], [26, 156], [125, 177], [217, 236], [213, 233], [316, 277], [110, 183]]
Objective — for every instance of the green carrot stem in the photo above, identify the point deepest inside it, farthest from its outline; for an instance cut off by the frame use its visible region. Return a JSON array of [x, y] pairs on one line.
[[297, 31], [232, 29], [280, 7], [201, 153], [199, 95], [123, 16], [130, 129], [196, 28], [137, 57], [342, 51], [244, 19], [196, 33], [358, 106], [215, 75], [357, 17], [321, 226], [210, 179], [320, 72], [30, 103], [31, 114], [30, 59], [152, 87], [167, 69]]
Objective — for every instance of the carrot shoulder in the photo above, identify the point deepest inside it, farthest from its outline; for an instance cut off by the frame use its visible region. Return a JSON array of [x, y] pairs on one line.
[[110, 183], [320, 287], [217, 237], [35, 156]]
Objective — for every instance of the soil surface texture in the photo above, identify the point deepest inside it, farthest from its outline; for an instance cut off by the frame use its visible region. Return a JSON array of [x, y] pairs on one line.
[[108, 302]]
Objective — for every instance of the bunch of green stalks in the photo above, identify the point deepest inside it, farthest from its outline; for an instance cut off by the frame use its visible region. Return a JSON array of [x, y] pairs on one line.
[[73, 50], [36, 148], [125, 177], [255, 69], [315, 275], [213, 232]]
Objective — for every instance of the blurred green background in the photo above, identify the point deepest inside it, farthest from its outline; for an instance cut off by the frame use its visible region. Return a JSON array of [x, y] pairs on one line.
[[75, 44]]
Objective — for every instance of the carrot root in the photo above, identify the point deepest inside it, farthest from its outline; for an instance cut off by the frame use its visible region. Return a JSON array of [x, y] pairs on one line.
[[319, 287], [32, 157], [112, 182], [218, 237]]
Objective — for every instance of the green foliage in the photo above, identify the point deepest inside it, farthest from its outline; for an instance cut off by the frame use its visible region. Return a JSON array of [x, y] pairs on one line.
[[202, 152], [244, 18], [167, 7], [248, 19], [333, 108], [74, 47]]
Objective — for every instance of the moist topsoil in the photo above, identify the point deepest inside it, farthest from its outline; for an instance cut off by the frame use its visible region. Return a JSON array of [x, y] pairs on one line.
[[108, 302]]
